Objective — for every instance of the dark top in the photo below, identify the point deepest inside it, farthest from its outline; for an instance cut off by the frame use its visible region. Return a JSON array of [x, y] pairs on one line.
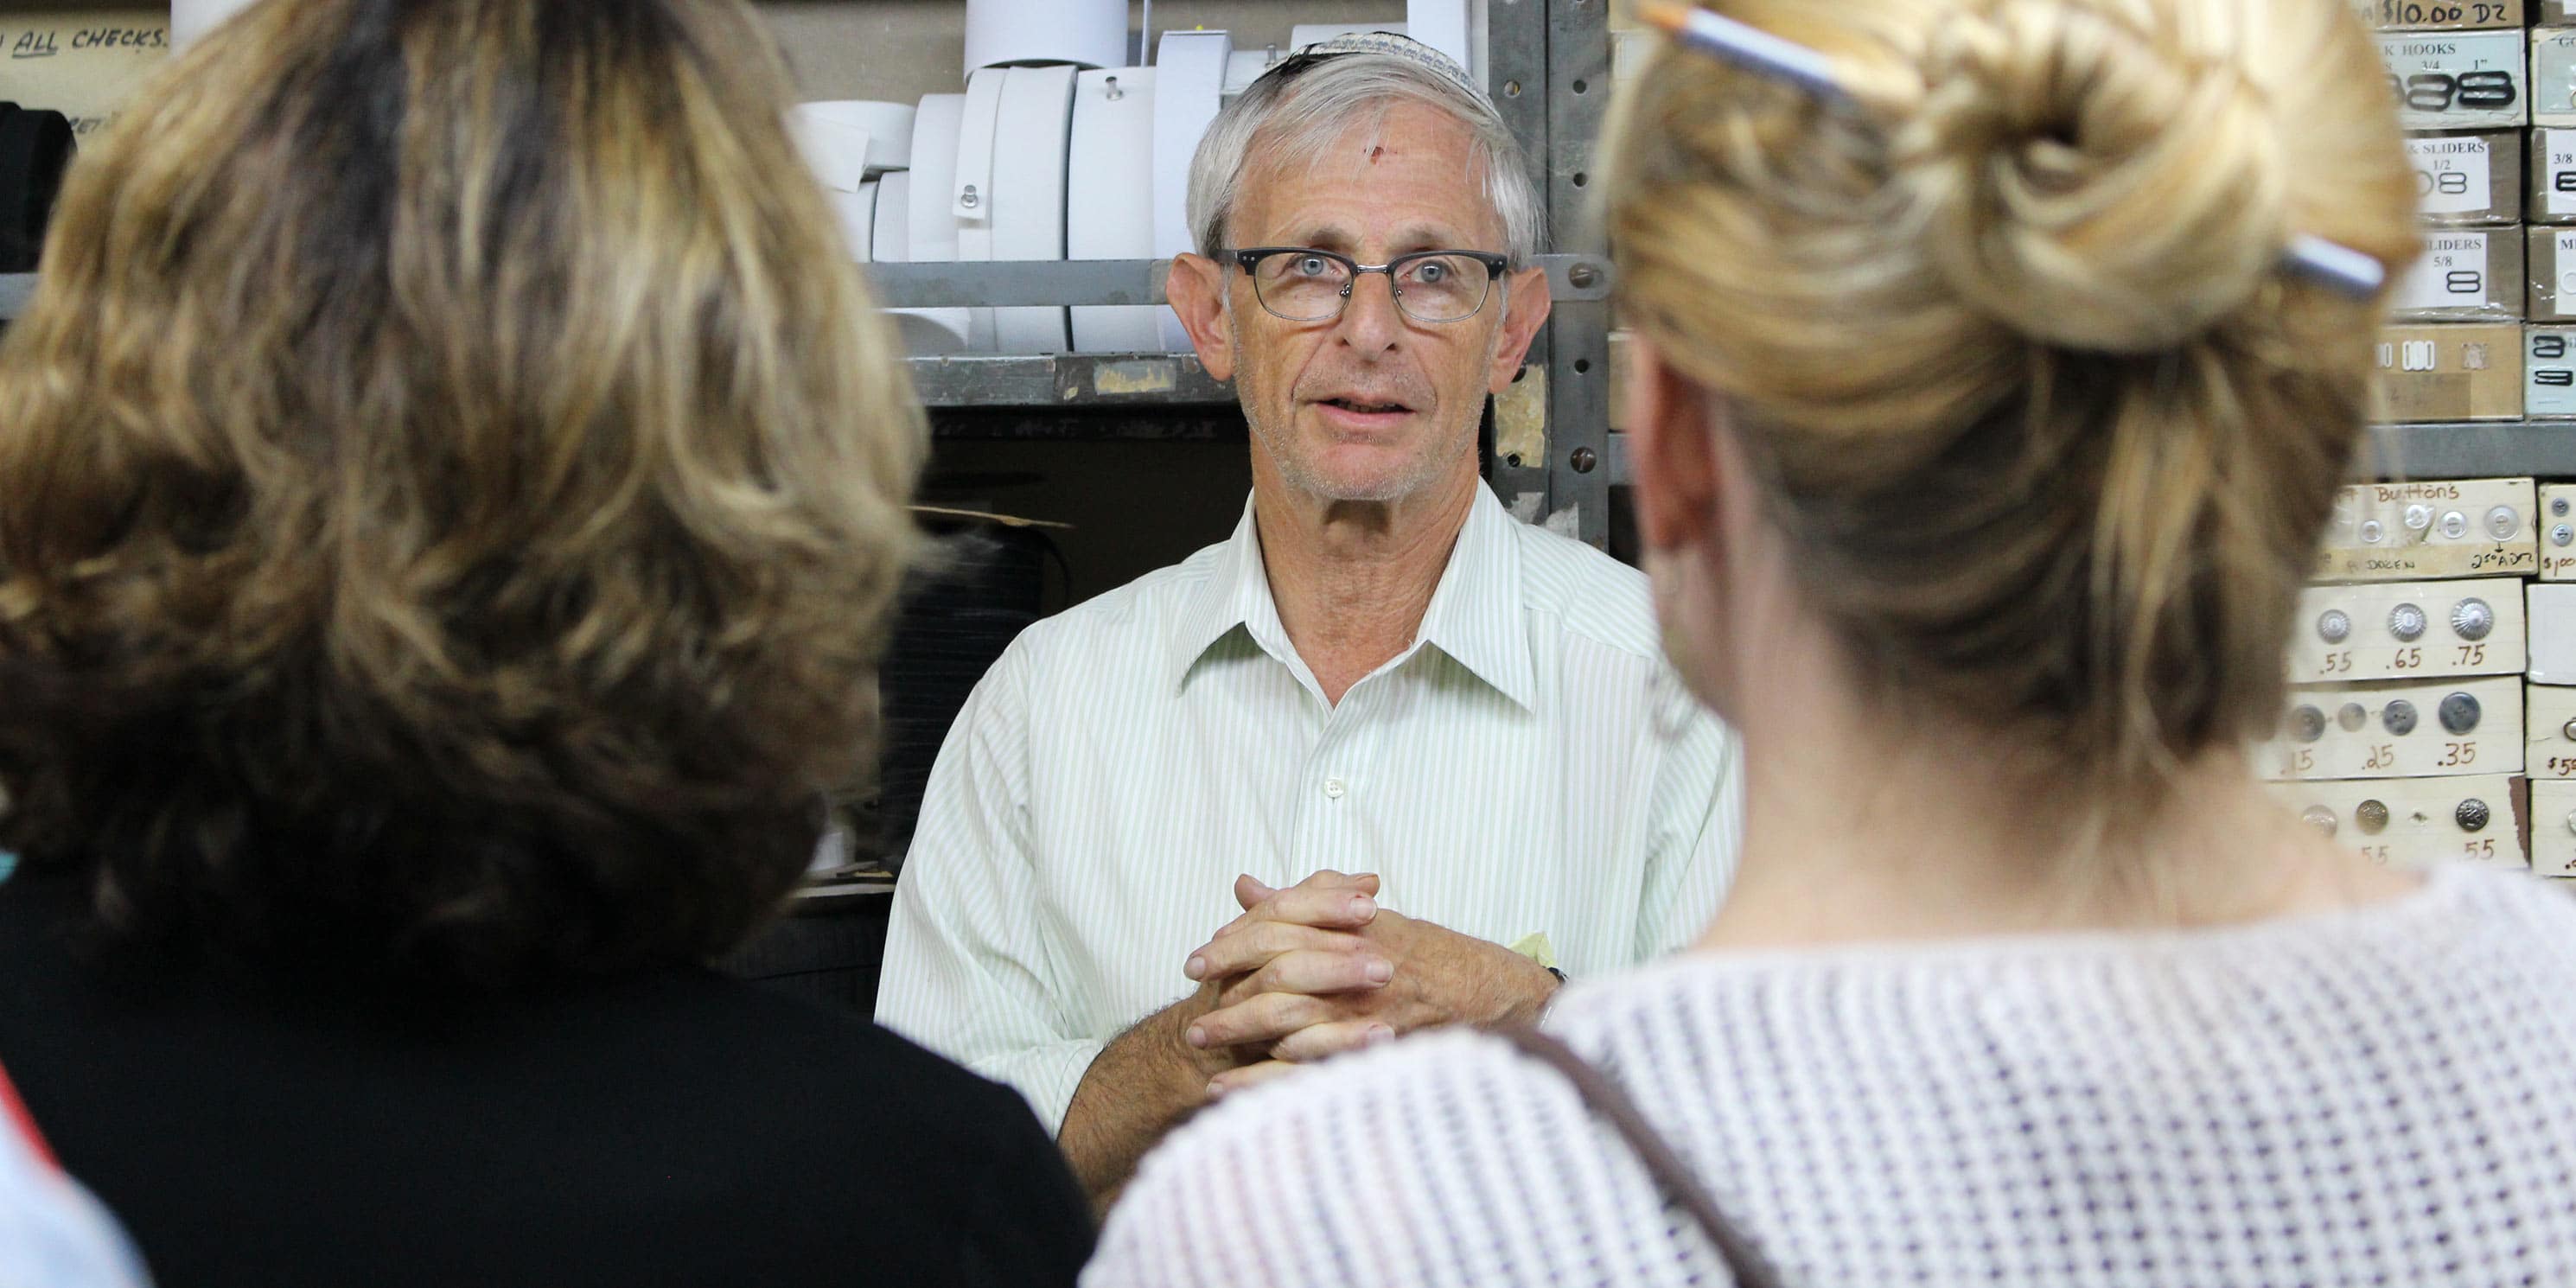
[[680, 1128]]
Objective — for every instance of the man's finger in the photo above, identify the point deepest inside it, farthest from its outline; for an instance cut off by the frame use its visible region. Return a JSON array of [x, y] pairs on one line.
[[1250, 1075], [1344, 966], [1319, 1041], [1262, 1019], [1257, 945]]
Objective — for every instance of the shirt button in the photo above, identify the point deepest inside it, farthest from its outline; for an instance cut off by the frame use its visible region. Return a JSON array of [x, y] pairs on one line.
[[1334, 788]]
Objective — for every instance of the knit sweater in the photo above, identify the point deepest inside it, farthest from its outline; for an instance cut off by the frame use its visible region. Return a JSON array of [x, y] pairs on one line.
[[2379, 1096]]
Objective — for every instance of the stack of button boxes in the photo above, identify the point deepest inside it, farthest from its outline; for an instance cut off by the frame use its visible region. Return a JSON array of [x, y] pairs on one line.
[[2460, 72], [2404, 736]]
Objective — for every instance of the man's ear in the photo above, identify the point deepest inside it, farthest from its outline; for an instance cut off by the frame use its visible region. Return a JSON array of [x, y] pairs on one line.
[[1673, 449], [1530, 302], [1196, 288]]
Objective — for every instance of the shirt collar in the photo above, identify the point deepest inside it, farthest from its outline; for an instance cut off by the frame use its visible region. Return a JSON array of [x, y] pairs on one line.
[[1476, 615]]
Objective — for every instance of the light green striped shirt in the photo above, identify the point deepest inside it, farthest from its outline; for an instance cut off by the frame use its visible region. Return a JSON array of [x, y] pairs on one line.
[[1520, 770]]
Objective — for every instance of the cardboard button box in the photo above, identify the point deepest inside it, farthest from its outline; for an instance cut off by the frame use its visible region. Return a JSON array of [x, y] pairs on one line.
[[2416, 822], [2404, 531], [2471, 179], [2551, 259], [2468, 80], [2404, 630], [2436, 373], [2557, 528], [2442, 15], [2470, 275], [2553, 76], [2553, 177], [2425, 729], [2549, 372]]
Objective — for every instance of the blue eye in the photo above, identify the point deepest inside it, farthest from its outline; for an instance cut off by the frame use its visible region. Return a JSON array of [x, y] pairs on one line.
[[1314, 265], [1430, 272]]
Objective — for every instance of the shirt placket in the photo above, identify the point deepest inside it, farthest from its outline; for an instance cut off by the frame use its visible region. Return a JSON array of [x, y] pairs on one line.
[[1334, 785]]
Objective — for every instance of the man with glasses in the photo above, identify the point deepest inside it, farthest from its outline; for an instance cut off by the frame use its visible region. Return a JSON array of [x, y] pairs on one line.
[[1161, 794]]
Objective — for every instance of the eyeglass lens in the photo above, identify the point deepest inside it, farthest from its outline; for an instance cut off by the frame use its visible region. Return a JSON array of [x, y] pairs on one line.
[[1309, 287]]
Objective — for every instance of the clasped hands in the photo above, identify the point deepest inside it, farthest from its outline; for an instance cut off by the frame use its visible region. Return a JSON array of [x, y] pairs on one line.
[[1319, 968]]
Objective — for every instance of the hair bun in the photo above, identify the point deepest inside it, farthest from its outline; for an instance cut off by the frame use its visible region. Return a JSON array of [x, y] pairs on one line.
[[2086, 181]]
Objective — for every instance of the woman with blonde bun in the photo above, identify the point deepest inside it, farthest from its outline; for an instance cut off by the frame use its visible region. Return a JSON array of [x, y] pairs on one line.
[[1997, 362]]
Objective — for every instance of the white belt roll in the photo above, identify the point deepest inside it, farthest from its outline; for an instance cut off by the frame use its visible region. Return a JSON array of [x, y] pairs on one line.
[[1033, 133], [930, 228], [1189, 82], [1109, 200], [857, 213], [1316, 33], [1244, 66], [190, 19], [971, 198], [1444, 25], [1087, 33], [851, 141], [920, 331], [1189, 78]]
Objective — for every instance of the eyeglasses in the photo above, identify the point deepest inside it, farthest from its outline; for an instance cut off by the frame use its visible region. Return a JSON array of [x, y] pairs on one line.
[[1302, 284]]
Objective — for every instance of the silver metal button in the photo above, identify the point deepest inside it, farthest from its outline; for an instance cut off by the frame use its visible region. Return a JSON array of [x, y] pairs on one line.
[[2455, 525], [2319, 817], [2398, 717], [2571, 820], [2353, 717], [2472, 815], [2371, 816], [2406, 622], [2459, 713], [2307, 724], [2502, 523], [2558, 507], [2568, 731], [2418, 517], [2471, 619], [2334, 626]]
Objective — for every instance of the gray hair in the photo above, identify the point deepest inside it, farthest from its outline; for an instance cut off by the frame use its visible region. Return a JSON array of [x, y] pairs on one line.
[[1299, 116]]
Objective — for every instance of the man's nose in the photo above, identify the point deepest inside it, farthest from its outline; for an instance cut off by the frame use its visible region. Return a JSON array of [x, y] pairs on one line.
[[1370, 320]]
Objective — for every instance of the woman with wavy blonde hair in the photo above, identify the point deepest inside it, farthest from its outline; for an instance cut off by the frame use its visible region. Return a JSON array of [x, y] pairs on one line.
[[1998, 363], [455, 490]]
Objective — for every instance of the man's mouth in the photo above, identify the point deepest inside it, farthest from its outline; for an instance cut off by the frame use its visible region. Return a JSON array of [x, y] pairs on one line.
[[1366, 406]]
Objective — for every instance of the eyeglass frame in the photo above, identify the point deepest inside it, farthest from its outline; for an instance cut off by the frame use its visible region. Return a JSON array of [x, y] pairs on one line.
[[1497, 270]]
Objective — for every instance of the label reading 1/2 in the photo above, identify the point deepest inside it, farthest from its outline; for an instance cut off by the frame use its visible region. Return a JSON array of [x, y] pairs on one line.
[[2453, 176], [2452, 274]]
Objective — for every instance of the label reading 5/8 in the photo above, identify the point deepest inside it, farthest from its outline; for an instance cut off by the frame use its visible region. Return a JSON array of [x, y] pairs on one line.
[[2452, 274]]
